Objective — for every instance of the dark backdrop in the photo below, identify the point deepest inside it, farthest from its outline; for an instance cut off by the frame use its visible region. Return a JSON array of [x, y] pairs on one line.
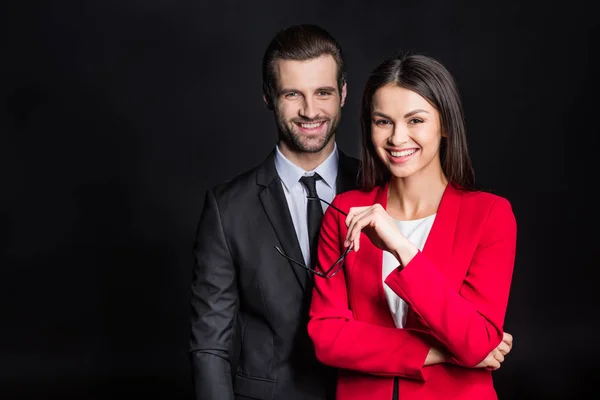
[[117, 116]]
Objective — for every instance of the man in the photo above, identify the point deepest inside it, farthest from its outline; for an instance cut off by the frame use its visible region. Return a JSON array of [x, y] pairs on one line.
[[249, 302]]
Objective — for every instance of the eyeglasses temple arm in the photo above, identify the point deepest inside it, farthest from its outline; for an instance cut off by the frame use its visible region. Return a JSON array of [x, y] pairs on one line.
[[298, 263], [326, 202]]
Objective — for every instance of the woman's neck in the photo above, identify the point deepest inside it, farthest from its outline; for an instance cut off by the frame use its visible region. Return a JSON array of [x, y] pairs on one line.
[[415, 197]]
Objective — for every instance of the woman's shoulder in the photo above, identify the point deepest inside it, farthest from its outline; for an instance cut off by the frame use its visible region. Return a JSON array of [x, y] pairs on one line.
[[484, 198], [484, 203]]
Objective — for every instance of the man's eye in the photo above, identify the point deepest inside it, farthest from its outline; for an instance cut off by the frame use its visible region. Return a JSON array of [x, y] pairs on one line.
[[291, 94], [324, 93]]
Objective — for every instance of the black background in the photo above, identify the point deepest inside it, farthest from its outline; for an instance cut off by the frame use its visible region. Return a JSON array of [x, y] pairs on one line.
[[117, 116]]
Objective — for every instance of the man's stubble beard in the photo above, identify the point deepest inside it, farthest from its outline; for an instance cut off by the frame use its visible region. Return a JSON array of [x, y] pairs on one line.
[[297, 142]]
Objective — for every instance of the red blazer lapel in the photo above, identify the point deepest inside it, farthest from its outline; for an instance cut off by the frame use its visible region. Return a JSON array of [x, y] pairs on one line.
[[368, 264], [440, 241], [439, 244]]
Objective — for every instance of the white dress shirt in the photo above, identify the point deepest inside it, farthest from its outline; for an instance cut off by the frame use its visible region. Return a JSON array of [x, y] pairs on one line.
[[416, 231], [295, 192]]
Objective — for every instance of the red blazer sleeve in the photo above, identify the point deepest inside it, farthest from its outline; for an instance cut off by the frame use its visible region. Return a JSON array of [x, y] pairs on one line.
[[468, 322], [343, 342]]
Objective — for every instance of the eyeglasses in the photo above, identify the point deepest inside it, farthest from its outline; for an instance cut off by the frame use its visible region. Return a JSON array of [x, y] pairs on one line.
[[337, 265]]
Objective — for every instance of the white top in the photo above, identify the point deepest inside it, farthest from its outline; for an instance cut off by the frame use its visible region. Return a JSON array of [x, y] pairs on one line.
[[295, 192], [416, 231]]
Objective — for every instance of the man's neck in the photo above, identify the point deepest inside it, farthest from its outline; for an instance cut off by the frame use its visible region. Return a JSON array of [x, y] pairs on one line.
[[304, 160]]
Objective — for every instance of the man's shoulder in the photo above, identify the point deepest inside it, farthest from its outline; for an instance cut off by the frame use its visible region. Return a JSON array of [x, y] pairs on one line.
[[347, 161], [347, 172], [237, 186]]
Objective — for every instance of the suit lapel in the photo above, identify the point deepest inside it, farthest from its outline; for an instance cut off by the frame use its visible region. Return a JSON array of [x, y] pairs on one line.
[[275, 205], [277, 210]]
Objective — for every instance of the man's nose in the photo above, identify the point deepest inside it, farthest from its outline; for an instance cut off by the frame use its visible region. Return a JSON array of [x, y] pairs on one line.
[[309, 109]]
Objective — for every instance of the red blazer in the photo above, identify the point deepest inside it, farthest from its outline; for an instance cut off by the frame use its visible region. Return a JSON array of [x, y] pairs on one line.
[[457, 291]]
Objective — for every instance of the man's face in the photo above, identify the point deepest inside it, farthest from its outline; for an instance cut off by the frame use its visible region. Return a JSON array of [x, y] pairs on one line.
[[308, 103]]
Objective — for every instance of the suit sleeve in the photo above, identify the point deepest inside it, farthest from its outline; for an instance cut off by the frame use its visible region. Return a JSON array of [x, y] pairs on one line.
[[468, 322], [213, 306], [342, 341]]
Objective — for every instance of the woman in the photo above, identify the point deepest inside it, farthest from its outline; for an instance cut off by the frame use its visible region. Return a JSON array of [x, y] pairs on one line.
[[417, 310]]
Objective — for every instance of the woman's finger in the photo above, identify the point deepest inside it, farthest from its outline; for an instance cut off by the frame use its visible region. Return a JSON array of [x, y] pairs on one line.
[[504, 348], [358, 216], [357, 227], [508, 339], [354, 211], [493, 364], [499, 356]]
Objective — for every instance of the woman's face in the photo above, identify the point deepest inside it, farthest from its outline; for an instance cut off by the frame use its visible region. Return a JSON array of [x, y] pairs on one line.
[[405, 130]]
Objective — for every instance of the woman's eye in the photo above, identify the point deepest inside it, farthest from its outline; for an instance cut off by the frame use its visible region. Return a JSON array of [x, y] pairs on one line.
[[415, 121], [382, 122]]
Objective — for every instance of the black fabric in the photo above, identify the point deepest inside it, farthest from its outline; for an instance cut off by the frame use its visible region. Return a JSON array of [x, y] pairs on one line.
[[395, 393], [314, 214], [249, 304]]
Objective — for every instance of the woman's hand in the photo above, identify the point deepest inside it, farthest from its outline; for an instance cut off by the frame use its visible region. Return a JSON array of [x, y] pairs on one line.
[[492, 362], [376, 223], [381, 230], [496, 357]]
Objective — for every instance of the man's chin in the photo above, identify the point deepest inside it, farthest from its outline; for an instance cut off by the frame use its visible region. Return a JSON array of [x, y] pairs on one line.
[[306, 143], [312, 145]]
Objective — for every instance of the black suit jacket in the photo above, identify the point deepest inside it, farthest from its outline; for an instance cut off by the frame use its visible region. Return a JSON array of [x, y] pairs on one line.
[[249, 304]]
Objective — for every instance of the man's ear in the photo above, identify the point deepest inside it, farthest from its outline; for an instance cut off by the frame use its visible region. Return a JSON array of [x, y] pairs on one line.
[[343, 94], [268, 103]]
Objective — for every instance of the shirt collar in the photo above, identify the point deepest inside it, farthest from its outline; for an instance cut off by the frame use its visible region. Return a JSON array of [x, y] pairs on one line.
[[290, 173]]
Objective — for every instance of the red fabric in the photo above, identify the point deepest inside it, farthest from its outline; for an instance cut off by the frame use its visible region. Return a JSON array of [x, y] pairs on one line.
[[457, 290]]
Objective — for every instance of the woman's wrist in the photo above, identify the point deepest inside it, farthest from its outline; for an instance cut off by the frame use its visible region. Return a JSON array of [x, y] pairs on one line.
[[434, 357], [404, 252]]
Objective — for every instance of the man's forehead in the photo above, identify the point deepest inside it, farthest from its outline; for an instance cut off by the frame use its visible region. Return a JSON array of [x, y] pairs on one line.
[[321, 71]]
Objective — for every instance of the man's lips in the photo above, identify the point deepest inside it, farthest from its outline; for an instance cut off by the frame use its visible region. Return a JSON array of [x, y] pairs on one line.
[[310, 127]]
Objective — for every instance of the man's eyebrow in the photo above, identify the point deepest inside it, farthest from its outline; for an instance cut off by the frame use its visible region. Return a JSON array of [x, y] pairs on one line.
[[327, 89], [284, 90], [319, 89]]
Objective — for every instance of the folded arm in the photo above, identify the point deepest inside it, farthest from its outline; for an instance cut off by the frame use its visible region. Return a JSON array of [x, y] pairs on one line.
[[469, 323]]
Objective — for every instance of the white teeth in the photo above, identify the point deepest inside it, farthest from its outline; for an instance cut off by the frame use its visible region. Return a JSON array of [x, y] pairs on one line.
[[402, 153], [311, 126]]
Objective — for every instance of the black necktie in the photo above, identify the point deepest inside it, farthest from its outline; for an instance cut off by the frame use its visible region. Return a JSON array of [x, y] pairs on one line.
[[314, 214]]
